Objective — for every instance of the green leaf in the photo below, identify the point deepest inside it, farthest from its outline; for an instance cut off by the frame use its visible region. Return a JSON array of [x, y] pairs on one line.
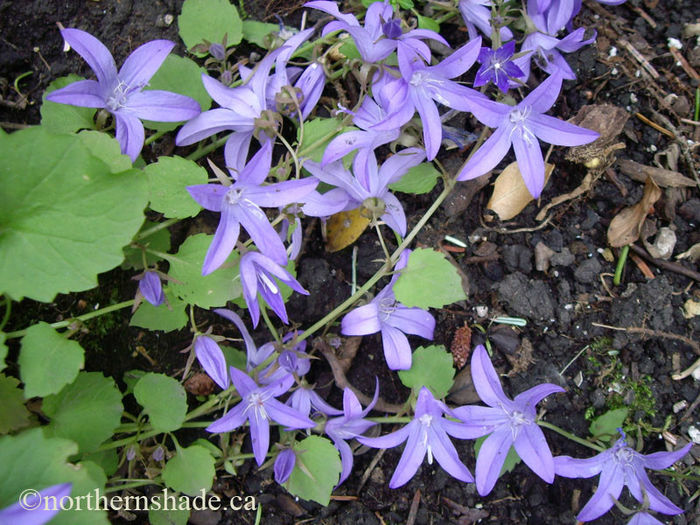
[[61, 226], [107, 149], [511, 461], [13, 414], [257, 32], [190, 471], [320, 459], [164, 399], [107, 460], [317, 134], [431, 367], [425, 22], [210, 20], [64, 118], [167, 186], [48, 361], [3, 351], [179, 75], [215, 289], [419, 179], [32, 460], [605, 426], [428, 281], [167, 317], [168, 517], [86, 411]]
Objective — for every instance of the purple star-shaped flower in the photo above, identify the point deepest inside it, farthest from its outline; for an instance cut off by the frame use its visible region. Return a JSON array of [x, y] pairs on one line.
[[426, 434], [498, 67], [621, 466], [381, 34], [386, 315], [151, 288], [258, 274], [521, 126], [284, 465], [477, 14], [121, 93], [369, 181], [509, 422], [212, 359], [239, 205], [350, 425], [258, 406], [31, 510], [644, 518]]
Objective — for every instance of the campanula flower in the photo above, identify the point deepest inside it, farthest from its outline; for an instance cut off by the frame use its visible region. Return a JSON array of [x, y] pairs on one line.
[[121, 93], [258, 274], [284, 465], [304, 398], [31, 511], [386, 315], [644, 518], [151, 288], [369, 183], [212, 359], [426, 434], [350, 425], [498, 67], [508, 423], [381, 34], [521, 126], [426, 86], [258, 406], [621, 466], [477, 14], [239, 205]]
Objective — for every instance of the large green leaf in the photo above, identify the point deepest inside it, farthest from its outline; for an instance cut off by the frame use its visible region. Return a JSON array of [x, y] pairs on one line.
[[318, 457], [167, 186], [164, 399], [66, 213], [32, 460], [13, 414], [179, 75], [206, 291], [65, 118], [210, 20], [419, 179], [86, 411], [158, 241], [257, 32], [166, 317], [3, 351], [48, 361], [431, 367], [190, 471], [428, 281], [605, 426]]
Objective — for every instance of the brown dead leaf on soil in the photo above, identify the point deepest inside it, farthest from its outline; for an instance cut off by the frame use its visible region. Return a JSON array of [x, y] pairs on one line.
[[510, 195], [664, 178], [626, 226], [608, 121]]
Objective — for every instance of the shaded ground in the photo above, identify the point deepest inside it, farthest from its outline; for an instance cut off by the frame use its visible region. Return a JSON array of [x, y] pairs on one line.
[[563, 304]]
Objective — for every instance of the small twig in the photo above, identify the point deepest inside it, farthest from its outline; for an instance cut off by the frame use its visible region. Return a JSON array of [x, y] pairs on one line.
[[691, 409], [666, 265], [684, 63], [654, 125], [653, 333], [341, 381], [649, 20], [639, 58], [370, 468], [413, 511]]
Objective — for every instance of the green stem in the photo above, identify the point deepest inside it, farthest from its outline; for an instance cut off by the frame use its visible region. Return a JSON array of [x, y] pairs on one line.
[[310, 45], [268, 322], [621, 264], [8, 311], [154, 137], [390, 419], [205, 150], [570, 436], [81, 318], [697, 104], [130, 485], [154, 229]]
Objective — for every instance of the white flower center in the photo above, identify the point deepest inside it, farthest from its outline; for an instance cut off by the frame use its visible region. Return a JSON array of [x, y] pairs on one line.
[[518, 117], [117, 99], [267, 282], [426, 420], [256, 401], [233, 196], [386, 307]]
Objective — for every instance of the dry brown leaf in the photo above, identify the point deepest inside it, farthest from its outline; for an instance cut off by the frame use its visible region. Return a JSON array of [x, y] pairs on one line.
[[691, 309], [626, 226], [344, 228], [510, 195], [664, 178], [693, 254], [606, 119]]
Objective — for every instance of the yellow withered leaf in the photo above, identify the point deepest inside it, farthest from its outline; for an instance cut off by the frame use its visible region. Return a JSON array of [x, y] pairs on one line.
[[510, 195], [344, 228]]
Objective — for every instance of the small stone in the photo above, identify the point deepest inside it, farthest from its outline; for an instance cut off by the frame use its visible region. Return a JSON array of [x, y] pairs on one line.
[[694, 434], [563, 258], [588, 271], [677, 407], [481, 311]]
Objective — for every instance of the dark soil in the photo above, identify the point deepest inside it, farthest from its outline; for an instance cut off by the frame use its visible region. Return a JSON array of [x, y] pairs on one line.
[[564, 305]]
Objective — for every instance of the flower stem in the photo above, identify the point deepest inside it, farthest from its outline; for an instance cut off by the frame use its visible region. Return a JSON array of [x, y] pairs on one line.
[[154, 229], [81, 318], [154, 137], [621, 264], [570, 436]]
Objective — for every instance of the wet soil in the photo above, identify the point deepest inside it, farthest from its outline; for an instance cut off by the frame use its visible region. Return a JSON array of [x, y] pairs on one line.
[[565, 303]]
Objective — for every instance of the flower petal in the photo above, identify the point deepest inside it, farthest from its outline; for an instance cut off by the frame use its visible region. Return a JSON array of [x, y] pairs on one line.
[[486, 380], [458, 62], [286, 415], [543, 97], [480, 420], [263, 353], [662, 460], [143, 63], [610, 485], [209, 123], [414, 321], [83, 93], [492, 455], [580, 468], [394, 215], [259, 434], [282, 193], [212, 360], [224, 240], [412, 457], [430, 118], [255, 222], [162, 106], [397, 350], [488, 155], [346, 459], [236, 152], [233, 419], [530, 162], [325, 205], [389, 440], [130, 134], [446, 454], [94, 53], [363, 320], [559, 132], [657, 501], [531, 446], [209, 196]]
